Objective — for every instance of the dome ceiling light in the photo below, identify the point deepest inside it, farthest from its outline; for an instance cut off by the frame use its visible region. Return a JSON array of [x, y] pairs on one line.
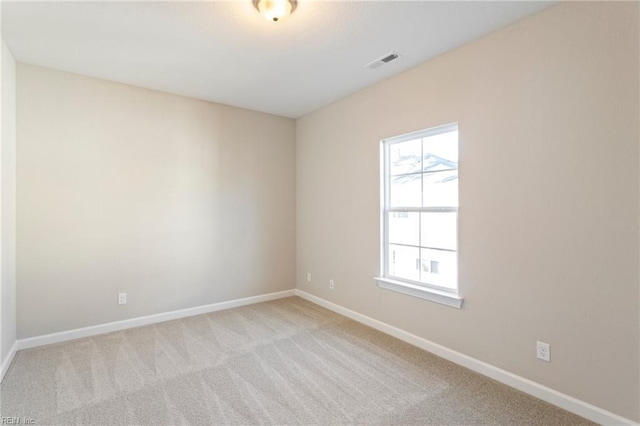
[[275, 10]]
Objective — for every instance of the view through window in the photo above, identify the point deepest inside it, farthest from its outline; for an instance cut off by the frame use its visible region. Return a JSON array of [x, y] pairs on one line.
[[420, 208]]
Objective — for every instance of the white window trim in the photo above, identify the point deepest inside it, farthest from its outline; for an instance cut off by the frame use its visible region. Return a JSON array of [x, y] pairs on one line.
[[447, 298], [426, 293]]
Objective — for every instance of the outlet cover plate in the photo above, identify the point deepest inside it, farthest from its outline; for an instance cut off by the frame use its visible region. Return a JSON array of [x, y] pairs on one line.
[[543, 351]]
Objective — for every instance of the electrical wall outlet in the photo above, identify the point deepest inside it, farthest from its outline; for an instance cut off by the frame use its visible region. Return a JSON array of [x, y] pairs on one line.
[[331, 285], [543, 351], [122, 298], [308, 276]]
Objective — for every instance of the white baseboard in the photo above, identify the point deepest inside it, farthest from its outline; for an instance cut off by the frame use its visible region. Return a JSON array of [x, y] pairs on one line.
[[537, 390], [4, 364], [78, 333]]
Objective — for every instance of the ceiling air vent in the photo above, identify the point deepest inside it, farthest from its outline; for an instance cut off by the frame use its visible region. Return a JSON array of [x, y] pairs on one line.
[[391, 56]]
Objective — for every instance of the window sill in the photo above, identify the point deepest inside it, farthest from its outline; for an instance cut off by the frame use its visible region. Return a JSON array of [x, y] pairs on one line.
[[430, 294]]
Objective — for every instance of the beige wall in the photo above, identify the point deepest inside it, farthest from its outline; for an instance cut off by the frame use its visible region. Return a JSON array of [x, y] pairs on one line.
[[548, 116], [8, 204], [177, 202]]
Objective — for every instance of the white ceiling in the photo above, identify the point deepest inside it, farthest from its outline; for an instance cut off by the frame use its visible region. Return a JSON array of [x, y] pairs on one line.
[[224, 51]]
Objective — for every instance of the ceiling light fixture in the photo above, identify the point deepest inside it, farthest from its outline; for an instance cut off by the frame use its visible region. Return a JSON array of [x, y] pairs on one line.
[[275, 10]]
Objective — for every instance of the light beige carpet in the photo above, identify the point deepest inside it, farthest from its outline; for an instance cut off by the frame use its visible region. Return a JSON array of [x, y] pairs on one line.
[[282, 362]]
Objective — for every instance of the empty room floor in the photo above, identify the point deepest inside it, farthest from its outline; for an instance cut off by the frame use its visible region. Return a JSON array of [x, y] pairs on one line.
[[287, 361]]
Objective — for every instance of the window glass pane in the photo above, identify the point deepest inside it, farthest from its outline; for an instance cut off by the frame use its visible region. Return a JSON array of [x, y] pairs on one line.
[[404, 157], [440, 189], [406, 191], [404, 261], [440, 152], [422, 175], [404, 228], [439, 230], [438, 267]]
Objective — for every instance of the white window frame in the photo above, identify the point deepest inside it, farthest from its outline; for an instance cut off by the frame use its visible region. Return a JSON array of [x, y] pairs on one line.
[[445, 296]]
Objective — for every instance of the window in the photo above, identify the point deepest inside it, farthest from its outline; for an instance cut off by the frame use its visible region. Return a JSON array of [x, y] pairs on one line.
[[420, 214]]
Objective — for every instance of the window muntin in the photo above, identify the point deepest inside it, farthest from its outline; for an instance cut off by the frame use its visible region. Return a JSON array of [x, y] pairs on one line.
[[420, 208]]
